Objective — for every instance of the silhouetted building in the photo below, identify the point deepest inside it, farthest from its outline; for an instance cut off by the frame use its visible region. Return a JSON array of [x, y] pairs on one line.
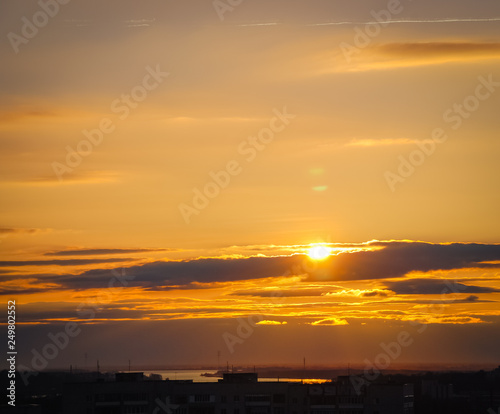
[[389, 399], [240, 377], [129, 376], [437, 390], [236, 393]]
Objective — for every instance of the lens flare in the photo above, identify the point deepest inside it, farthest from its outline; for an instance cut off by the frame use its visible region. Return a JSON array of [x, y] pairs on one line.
[[319, 252]]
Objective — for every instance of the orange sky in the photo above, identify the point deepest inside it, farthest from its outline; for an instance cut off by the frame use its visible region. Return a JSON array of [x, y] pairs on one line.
[[167, 166]]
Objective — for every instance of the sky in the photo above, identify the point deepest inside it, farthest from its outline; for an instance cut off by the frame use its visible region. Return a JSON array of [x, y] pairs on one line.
[[265, 179]]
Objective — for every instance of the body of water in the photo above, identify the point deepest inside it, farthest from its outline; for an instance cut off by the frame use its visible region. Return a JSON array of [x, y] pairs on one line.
[[184, 374], [196, 376]]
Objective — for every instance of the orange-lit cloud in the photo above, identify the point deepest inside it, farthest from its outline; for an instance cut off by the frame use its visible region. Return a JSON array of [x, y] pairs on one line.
[[404, 55], [268, 322], [381, 142], [331, 322]]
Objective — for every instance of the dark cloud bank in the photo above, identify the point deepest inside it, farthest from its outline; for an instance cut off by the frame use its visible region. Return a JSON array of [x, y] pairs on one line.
[[392, 260]]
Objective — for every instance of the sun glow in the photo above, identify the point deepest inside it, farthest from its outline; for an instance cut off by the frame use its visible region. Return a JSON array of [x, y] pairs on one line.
[[319, 252]]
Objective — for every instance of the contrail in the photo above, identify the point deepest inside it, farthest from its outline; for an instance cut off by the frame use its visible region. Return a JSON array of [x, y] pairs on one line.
[[448, 20], [402, 21], [258, 24]]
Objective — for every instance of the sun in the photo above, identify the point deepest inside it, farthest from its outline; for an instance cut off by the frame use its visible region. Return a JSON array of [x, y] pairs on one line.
[[319, 252]]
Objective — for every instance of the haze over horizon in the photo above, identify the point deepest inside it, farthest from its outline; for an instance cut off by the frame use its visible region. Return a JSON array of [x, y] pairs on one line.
[[270, 180]]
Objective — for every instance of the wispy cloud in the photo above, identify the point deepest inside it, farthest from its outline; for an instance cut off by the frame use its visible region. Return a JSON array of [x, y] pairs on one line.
[[258, 24], [440, 48], [139, 22], [365, 293], [97, 252], [270, 293], [410, 54], [69, 262], [80, 178], [410, 21], [9, 231], [83, 23], [269, 322], [383, 142], [436, 287], [330, 322]]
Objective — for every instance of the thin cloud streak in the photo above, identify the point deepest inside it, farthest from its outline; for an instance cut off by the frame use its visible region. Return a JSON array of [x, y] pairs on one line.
[[435, 287], [409, 21], [4, 231], [368, 142], [71, 262], [413, 54], [97, 252]]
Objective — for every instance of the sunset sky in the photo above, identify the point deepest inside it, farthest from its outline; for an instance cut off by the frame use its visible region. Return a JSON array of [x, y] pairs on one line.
[[167, 167]]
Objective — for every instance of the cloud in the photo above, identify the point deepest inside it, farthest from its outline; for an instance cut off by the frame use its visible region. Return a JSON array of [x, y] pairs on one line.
[[440, 49], [330, 322], [96, 252], [369, 142], [20, 291], [410, 54], [268, 322], [409, 21], [360, 293], [80, 177], [451, 301], [69, 262], [379, 260], [23, 113], [275, 293], [184, 274], [399, 258], [10, 231], [436, 287], [373, 293]]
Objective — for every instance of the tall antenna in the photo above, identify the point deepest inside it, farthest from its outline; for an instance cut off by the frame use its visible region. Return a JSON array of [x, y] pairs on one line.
[[304, 370], [218, 361]]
